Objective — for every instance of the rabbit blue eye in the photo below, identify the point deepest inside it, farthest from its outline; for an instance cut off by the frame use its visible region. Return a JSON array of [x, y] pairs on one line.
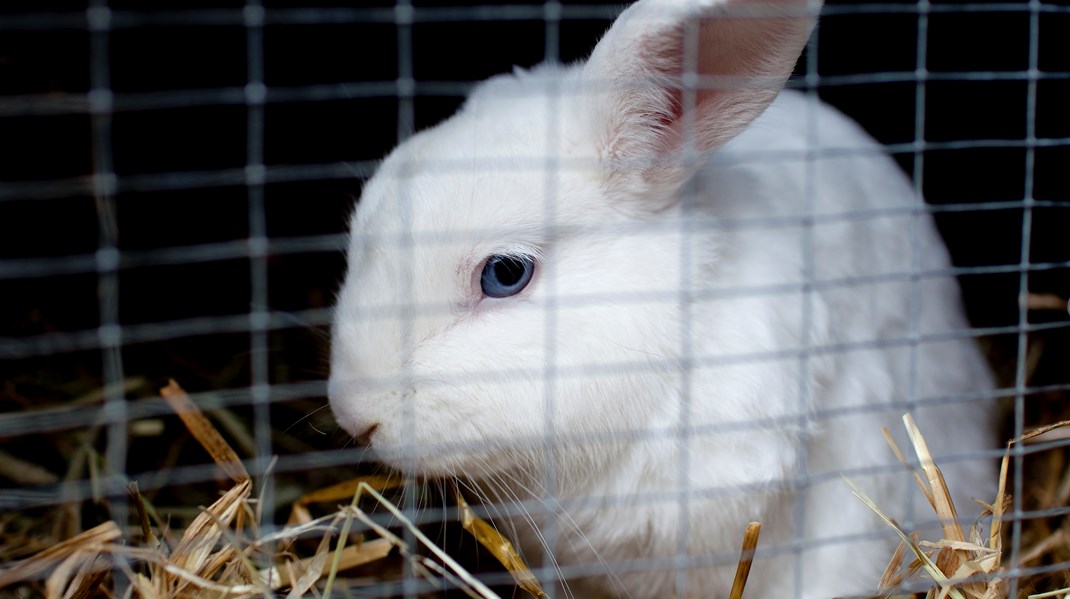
[[504, 276]]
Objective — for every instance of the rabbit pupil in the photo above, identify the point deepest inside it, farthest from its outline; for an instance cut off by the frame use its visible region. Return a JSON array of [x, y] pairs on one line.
[[508, 271], [504, 276]]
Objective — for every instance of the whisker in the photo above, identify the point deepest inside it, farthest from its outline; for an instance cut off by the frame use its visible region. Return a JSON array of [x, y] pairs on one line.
[[306, 417], [574, 526]]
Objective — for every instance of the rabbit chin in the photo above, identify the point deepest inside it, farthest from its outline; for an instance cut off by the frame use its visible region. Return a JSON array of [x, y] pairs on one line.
[[431, 456]]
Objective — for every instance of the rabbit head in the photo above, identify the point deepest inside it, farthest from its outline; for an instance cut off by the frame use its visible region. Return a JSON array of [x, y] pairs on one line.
[[518, 275]]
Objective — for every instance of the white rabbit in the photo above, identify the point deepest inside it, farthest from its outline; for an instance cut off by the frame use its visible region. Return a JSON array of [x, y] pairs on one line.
[[643, 303]]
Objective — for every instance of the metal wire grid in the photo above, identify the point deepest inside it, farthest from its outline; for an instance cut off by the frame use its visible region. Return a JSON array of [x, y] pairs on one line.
[[101, 103]]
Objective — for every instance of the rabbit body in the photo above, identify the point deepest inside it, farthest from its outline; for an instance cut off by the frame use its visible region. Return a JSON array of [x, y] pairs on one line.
[[703, 342]]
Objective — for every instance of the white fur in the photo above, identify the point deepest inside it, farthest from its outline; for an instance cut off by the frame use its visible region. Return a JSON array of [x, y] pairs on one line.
[[666, 377]]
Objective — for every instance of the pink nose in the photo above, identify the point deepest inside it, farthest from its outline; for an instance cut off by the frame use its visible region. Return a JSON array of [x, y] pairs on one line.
[[365, 438]]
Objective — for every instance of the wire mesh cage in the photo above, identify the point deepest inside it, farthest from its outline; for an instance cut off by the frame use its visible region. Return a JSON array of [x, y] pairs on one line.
[[617, 339]]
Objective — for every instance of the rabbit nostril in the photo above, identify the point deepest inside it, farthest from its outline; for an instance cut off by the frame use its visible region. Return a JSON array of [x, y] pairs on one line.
[[365, 438]]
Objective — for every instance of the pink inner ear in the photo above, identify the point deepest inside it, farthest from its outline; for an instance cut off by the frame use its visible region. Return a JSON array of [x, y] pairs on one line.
[[742, 62], [646, 121]]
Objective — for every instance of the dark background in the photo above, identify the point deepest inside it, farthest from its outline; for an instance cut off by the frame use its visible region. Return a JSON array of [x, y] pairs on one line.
[[179, 141]]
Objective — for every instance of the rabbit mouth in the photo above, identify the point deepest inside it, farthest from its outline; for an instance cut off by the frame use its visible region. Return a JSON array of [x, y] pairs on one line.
[[423, 440], [437, 459]]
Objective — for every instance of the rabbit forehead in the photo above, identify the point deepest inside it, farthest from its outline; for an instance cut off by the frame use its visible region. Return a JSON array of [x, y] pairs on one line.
[[510, 147], [468, 200], [487, 171]]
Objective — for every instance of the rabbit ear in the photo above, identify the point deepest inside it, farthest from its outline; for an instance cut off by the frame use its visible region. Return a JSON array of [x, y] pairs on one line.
[[677, 75]]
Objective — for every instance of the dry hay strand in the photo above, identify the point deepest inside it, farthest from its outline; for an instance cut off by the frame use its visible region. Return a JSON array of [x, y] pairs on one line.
[[746, 558], [499, 547], [961, 565], [1046, 301], [204, 432], [484, 532], [222, 552], [217, 553], [66, 559], [343, 491]]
